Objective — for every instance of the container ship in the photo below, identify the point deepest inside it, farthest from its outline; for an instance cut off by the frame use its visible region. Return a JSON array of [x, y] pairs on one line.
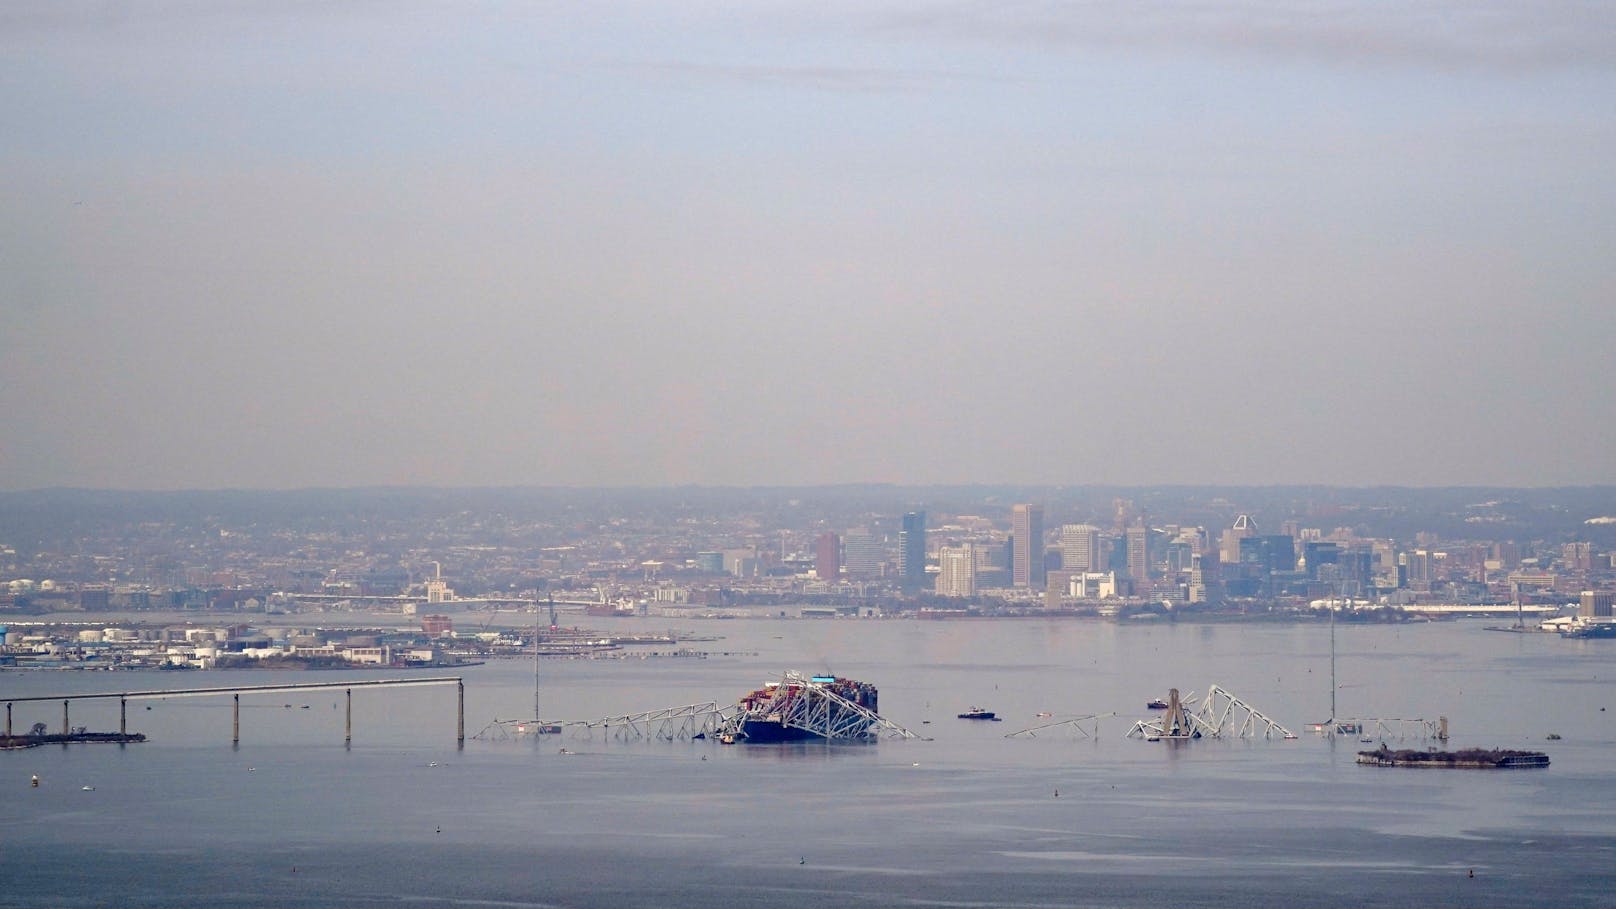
[[807, 708]]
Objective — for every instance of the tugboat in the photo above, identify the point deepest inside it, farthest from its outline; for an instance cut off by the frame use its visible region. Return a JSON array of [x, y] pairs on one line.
[[977, 713]]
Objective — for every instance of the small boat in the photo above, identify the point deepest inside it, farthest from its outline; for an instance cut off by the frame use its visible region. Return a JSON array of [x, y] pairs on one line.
[[977, 713], [1156, 704]]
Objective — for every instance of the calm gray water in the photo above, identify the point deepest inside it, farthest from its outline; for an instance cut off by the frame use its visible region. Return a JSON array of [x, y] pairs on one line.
[[970, 818]]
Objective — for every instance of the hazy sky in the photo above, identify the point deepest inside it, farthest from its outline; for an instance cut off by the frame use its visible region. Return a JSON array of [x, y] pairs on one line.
[[292, 244]]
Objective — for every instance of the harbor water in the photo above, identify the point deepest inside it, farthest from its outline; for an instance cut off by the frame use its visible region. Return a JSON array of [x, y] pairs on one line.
[[1076, 815]]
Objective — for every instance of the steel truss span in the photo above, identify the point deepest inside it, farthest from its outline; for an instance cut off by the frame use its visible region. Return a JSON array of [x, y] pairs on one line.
[[1385, 728], [1072, 724], [667, 724], [1220, 714]]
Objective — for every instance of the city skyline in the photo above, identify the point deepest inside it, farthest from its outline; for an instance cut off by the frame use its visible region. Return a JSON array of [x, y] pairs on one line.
[[269, 246]]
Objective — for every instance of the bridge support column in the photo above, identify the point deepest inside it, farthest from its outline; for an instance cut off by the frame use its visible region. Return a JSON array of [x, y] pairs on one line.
[[8, 719], [66, 729], [123, 715], [460, 714], [235, 720], [347, 738]]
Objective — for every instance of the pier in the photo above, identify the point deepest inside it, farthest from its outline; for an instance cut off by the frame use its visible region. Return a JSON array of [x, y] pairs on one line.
[[236, 691]]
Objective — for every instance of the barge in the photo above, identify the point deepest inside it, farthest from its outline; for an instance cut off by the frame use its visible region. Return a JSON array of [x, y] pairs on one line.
[[18, 742], [1468, 759]]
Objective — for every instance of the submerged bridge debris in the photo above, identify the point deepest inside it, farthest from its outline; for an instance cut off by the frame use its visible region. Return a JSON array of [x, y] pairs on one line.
[[798, 706], [1073, 724], [1219, 714]]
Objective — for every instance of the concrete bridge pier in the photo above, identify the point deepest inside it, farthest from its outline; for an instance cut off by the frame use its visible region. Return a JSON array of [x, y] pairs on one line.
[[347, 735], [235, 721]]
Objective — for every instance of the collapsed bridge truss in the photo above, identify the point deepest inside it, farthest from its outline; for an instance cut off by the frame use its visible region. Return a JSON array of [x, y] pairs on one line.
[[1219, 714], [813, 705]]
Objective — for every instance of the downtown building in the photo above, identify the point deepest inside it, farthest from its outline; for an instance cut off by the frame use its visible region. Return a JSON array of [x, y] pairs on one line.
[[912, 550], [1080, 548], [1027, 546], [957, 574]]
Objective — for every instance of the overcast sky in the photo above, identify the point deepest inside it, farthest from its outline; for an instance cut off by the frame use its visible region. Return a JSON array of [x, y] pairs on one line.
[[289, 244]]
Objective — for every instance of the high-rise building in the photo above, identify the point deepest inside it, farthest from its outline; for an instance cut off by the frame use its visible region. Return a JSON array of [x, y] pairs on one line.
[[957, 577], [1197, 592], [1229, 546], [1080, 547], [1139, 557], [1027, 542], [1316, 555], [862, 553], [828, 556], [912, 549], [1577, 556]]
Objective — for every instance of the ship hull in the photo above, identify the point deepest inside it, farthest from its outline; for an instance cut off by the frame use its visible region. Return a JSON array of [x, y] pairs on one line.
[[764, 732], [801, 708], [1601, 630]]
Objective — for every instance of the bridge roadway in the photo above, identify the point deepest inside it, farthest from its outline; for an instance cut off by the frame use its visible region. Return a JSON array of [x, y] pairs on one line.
[[124, 697]]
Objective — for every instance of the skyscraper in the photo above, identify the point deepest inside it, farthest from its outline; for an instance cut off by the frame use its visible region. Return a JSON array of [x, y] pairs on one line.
[[862, 553], [828, 556], [958, 575], [1027, 539], [912, 549], [1139, 557], [1080, 547], [1229, 546]]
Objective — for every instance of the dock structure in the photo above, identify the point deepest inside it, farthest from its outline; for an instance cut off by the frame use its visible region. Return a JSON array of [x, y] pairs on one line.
[[1219, 714], [236, 691]]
